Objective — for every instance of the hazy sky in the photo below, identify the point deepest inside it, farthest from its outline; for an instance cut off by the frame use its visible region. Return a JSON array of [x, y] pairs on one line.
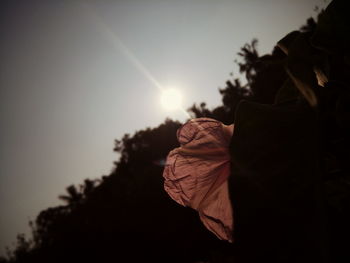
[[75, 76]]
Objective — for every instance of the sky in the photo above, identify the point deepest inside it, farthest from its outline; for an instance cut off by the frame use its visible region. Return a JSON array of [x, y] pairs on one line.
[[76, 75]]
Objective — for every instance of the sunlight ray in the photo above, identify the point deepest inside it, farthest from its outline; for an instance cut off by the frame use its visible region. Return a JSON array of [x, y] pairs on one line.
[[120, 46]]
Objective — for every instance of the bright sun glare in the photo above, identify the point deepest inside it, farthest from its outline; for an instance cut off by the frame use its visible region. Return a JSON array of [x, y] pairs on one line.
[[171, 99]]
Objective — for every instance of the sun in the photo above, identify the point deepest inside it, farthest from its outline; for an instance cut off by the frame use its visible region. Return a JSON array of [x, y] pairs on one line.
[[171, 99]]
